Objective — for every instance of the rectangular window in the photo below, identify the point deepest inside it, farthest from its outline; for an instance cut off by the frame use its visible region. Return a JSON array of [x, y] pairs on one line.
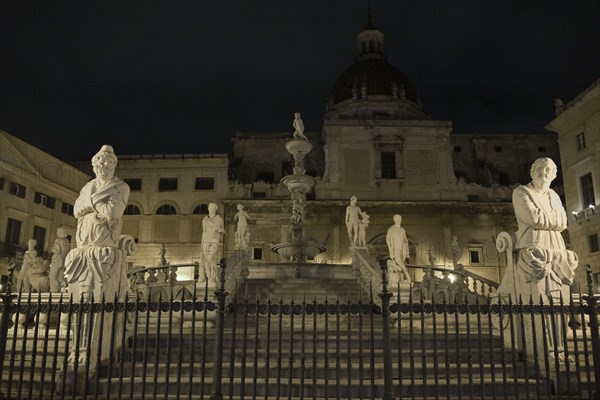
[[17, 190], [498, 149], [580, 141], [259, 195], [257, 253], [457, 149], [594, 245], [388, 165], [475, 256], [541, 149], [587, 190], [167, 184], [135, 184], [67, 209], [13, 231], [39, 234], [44, 200], [1, 183], [205, 183]]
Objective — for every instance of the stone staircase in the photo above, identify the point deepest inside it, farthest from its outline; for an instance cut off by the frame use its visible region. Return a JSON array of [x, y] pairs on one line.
[[325, 353]]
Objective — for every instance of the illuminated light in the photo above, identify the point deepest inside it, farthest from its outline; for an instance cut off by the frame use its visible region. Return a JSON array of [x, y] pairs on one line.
[[592, 206], [452, 277], [574, 212]]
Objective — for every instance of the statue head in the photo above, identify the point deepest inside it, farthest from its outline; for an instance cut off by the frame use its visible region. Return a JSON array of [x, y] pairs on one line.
[[543, 170], [212, 209], [397, 219], [60, 233], [296, 115], [104, 163], [353, 200], [240, 207], [31, 244]]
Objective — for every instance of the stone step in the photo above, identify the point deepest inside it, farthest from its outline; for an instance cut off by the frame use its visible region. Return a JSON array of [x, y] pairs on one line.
[[329, 387]]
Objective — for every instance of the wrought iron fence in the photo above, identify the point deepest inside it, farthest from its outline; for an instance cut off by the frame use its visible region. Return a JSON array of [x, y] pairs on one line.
[[233, 346]]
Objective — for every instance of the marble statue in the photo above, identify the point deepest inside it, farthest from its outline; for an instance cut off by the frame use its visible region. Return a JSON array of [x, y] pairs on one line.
[[37, 276], [545, 263], [162, 254], [456, 250], [397, 244], [362, 230], [28, 261], [544, 268], [299, 127], [96, 267], [212, 229], [353, 221], [242, 233], [57, 265], [559, 107]]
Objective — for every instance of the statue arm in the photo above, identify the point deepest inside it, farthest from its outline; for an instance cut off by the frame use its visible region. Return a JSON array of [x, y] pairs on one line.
[[529, 213], [83, 205], [390, 244], [561, 214], [113, 206]]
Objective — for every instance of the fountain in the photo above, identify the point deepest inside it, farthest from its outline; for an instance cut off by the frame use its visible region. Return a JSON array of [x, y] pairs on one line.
[[298, 249]]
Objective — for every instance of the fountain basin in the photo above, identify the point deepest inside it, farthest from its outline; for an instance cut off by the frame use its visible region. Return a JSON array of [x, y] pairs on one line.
[[296, 251], [298, 183], [298, 146]]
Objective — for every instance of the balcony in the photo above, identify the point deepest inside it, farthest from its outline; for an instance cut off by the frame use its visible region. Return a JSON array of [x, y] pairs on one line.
[[584, 214]]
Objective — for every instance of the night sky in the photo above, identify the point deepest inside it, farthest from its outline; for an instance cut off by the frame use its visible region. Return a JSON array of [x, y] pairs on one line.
[[184, 76]]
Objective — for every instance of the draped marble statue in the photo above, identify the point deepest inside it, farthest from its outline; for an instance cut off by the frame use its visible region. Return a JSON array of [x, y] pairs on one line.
[[57, 265], [397, 243], [212, 230], [96, 268], [242, 233], [544, 269]]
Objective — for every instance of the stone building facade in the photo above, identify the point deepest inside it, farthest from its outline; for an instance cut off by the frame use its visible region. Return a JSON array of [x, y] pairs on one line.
[[578, 128], [37, 193], [169, 197]]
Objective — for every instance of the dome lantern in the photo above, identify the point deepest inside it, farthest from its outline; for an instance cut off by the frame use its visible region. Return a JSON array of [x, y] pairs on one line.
[[369, 43]]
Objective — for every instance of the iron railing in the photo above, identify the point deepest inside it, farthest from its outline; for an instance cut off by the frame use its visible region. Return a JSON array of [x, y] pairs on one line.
[[233, 346]]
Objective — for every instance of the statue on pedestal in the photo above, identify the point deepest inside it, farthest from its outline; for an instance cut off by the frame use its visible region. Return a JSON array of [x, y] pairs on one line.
[[57, 265], [544, 269], [28, 261], [362, 230], [398, 247], [96, 268], [298, 125], [212, 229], [353, 221], [456, 251], [242, 233]]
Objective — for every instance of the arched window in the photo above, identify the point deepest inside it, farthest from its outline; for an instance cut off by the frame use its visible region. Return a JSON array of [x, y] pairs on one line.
[[201, 209], [166, 209], [132, 209]]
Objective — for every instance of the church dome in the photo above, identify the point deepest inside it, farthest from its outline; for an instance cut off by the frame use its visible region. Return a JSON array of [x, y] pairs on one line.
[[377, 76], [372, 86]]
